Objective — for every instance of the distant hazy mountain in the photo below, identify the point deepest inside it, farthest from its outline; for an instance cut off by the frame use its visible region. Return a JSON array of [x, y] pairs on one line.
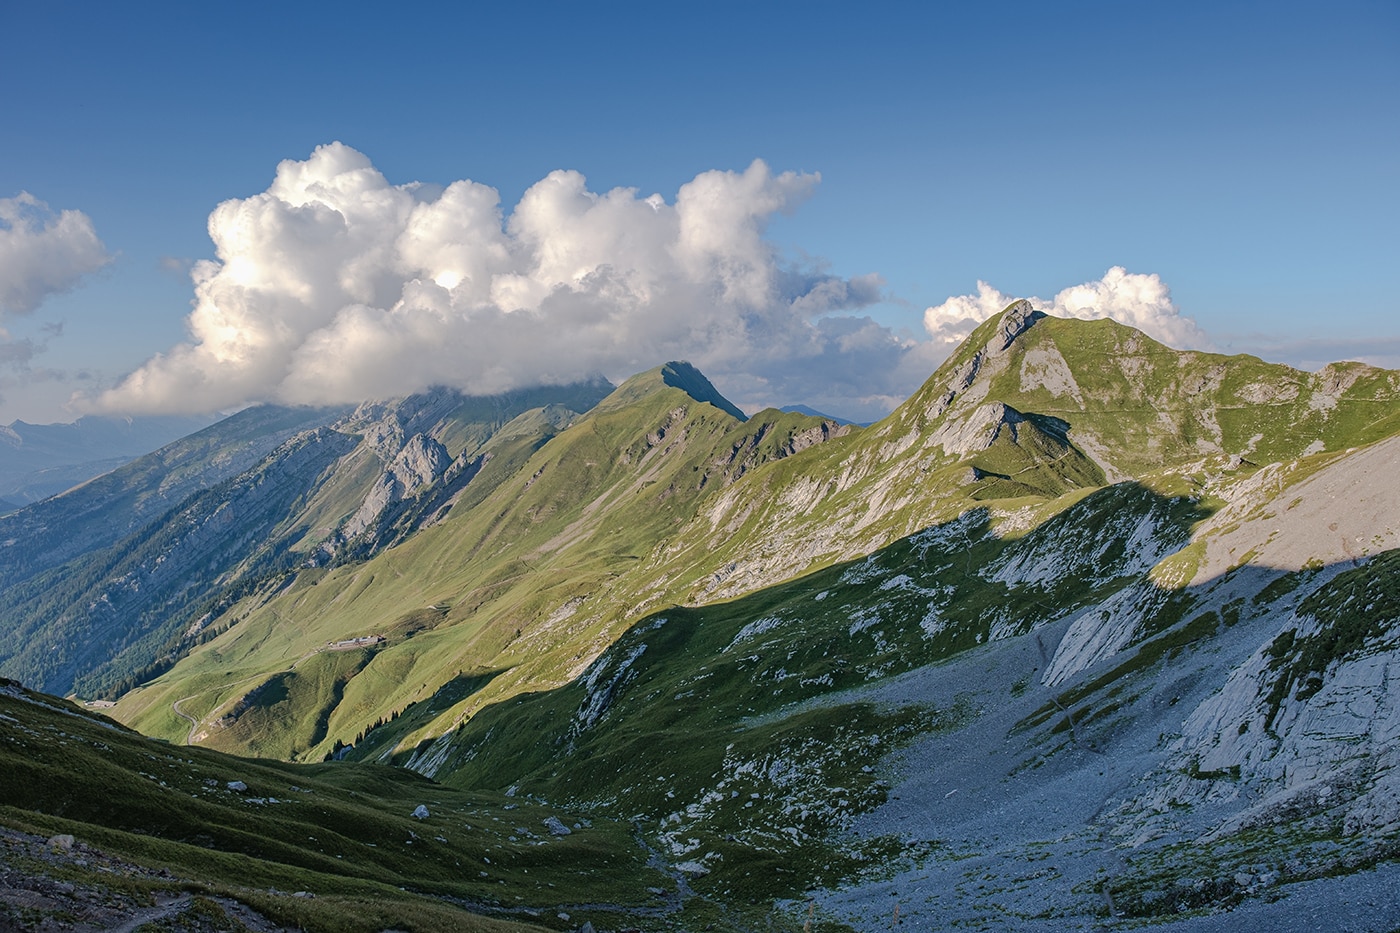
[[39, 460], [1088, 628], [808, 410]]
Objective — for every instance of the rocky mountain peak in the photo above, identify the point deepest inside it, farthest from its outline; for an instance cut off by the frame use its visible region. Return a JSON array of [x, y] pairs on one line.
[[684, 376], [673, 375], [967, 374], [421, 461], [1015, 321]]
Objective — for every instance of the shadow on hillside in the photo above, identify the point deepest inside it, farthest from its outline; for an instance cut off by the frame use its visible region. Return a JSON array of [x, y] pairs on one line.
[[694, 675], [454, 691]]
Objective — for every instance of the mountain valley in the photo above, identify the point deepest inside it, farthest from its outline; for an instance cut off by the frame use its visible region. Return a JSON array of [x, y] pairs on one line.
[[1088, 633]]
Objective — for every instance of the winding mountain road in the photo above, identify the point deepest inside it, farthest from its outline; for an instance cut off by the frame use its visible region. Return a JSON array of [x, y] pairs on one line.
[[194, 723]]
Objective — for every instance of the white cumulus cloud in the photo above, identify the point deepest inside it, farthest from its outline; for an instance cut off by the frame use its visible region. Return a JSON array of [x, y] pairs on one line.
[[334, 285], [951, 322], [43, 252], [1135, 299]]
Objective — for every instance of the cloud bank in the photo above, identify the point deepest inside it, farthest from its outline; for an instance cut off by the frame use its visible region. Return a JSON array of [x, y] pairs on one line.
[[1141, 301], [334, 285], [43, 252]]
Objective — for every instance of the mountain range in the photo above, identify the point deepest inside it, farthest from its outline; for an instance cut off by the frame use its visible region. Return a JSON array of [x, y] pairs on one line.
[[1088, 631], [40, 460]]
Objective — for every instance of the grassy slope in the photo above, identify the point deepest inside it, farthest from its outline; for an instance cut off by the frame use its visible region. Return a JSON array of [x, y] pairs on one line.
[[534, 528], [692, 712], [740, 737], [695, 711], [731, 735], [342, 832]]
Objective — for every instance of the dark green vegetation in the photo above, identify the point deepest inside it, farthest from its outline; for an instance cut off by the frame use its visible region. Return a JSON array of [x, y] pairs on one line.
[[342, 832]]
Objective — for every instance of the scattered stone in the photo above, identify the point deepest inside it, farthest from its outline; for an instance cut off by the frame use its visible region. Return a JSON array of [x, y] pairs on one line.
[[556, 826], [305, 894], [693, 869], [420, 812], [62, 842], [237, 787]]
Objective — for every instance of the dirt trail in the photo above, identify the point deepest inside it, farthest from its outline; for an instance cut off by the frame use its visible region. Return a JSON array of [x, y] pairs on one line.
[[161, 912]]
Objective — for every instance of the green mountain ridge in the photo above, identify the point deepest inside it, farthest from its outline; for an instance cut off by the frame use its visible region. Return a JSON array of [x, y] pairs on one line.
[[546, 534], [109, 507], [40, 460], [650, 500]]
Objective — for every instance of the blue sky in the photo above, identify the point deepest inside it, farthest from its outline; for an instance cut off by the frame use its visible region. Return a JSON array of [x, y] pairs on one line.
[[1243, 154]]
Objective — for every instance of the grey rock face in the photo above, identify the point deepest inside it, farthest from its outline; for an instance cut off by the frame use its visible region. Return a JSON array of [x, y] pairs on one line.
[[421, 461], [416, 465]]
